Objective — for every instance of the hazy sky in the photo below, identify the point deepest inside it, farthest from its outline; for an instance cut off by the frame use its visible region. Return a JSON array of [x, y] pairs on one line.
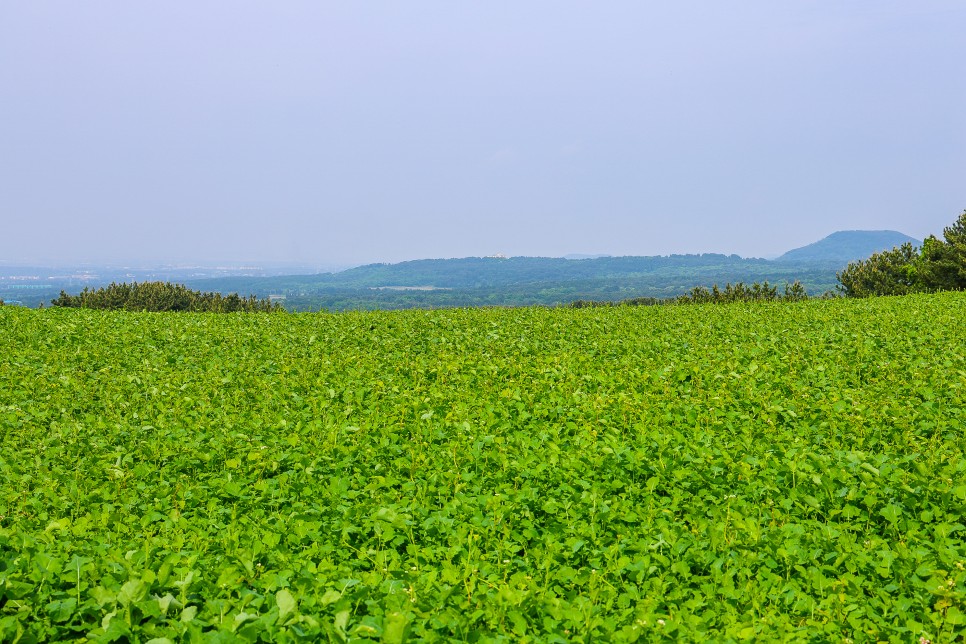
[[349, 132]]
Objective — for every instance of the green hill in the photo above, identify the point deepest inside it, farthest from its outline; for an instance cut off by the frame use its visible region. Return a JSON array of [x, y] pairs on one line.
[[846, 246]]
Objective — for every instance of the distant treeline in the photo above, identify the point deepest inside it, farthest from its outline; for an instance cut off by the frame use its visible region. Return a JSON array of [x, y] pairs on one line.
[[940, 265], [163, 296], [739, 292], [522, 281]]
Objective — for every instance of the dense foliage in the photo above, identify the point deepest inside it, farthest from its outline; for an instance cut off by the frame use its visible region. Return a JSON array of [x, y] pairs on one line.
[[161, 296], [759, 471], [731, 293], [939, 265]]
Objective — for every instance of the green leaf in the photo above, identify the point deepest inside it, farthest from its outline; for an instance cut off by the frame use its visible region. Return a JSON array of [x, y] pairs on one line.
[[286, 603], [341, 621], [132, 591], [395, 628], [167, 601], [188, 613], [891, 513], [330, 597], [61, 611]]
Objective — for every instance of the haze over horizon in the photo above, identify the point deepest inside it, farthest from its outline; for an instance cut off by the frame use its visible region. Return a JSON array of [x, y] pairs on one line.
[[338, 134]]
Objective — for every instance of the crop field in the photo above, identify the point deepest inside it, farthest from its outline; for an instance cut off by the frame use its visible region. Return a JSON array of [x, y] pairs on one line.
[[768, 472]]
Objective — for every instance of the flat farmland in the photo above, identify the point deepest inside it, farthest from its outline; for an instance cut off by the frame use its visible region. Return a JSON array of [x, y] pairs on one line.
[[773, 471]]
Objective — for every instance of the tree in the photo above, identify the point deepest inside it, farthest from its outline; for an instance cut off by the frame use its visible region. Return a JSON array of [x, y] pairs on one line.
[[939, 265], [795, 292], [942, 264], [892, 272]]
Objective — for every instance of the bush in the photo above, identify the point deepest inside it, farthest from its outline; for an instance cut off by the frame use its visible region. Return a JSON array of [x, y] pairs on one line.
[[162, 296]]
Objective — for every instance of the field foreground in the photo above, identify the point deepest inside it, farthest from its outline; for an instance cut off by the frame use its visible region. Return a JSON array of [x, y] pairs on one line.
[[777, 472]]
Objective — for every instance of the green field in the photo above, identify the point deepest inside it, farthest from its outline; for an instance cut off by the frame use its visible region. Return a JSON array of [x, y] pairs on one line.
[[769, 472]]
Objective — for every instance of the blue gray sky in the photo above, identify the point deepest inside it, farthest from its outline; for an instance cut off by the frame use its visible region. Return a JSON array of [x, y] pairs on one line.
[[351, 132]]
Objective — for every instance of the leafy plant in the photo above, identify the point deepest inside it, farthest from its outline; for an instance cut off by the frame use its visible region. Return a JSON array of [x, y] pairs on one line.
[[761, 471]]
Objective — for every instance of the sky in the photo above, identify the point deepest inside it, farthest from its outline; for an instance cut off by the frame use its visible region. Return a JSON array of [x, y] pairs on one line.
[[354, 132]]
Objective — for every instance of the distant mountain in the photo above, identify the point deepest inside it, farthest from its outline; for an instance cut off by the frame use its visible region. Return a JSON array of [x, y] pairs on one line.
[[488, 281], [847, 246], [520, 281]]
